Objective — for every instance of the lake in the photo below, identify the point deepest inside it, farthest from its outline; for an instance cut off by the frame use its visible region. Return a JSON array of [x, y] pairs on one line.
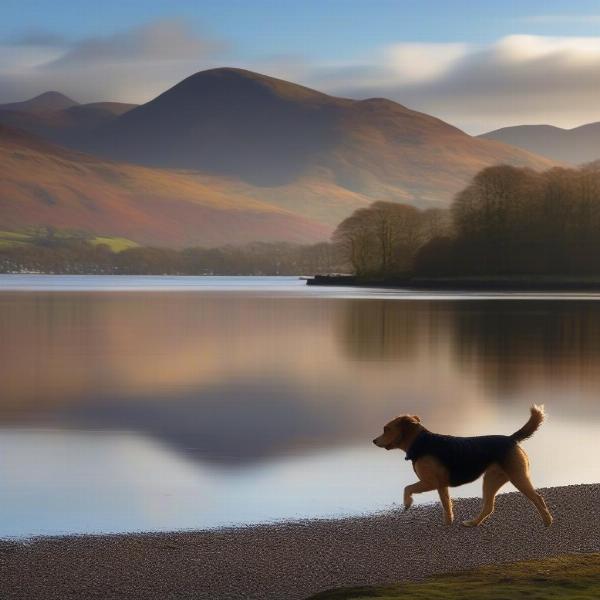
[[160, 403]]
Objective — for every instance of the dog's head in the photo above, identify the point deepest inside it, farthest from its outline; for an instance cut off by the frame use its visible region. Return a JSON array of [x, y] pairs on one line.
[[398, 432]]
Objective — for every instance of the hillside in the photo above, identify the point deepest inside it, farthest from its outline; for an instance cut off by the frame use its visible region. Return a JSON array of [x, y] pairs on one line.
[[48, 101], [268, 133], [576, 146], [41, 184], [234, 137], [66, 126]]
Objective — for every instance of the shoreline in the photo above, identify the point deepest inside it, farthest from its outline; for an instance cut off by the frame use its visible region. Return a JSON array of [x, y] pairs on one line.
[[460, 284], [295, 560]]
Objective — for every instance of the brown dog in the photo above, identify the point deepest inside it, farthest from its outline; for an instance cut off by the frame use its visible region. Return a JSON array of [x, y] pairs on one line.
[[443, 461]]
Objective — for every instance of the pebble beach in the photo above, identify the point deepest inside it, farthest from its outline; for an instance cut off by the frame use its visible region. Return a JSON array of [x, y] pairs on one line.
[[298, 559]]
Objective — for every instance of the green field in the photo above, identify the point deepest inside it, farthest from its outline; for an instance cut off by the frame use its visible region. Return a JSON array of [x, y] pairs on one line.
[[116, 244], [14, 238], [571, 577], [33, 235]]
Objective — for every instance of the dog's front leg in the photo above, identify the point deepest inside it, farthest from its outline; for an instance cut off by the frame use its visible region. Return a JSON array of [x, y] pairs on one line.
[[416, 488]]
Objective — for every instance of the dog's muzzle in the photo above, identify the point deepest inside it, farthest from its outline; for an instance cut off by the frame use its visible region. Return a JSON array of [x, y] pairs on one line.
[[386, 446]]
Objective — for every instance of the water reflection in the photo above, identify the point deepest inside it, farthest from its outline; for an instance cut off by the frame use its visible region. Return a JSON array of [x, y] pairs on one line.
[[241, 408], [515, 345], [509, 346]]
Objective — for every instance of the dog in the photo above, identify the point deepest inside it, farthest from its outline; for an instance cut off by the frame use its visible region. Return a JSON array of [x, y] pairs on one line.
[[443, 461]]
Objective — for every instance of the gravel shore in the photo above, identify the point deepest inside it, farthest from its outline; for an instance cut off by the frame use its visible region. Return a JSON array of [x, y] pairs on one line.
[[295, 560]]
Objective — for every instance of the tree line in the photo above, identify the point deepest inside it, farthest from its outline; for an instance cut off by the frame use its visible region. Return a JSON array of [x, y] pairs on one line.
[[80, 256], [508, 221]]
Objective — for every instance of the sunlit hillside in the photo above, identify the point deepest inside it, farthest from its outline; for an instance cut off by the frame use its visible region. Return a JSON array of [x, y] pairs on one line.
[[43, 185]]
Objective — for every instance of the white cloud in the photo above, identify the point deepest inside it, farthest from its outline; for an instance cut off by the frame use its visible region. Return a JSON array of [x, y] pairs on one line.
[[414, 62], [522, 48], [519, 78]]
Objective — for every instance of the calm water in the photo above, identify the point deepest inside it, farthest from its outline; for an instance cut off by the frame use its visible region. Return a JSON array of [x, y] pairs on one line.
[[151, 403]]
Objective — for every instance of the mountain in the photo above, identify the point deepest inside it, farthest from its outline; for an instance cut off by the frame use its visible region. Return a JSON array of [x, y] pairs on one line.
[[576, 146], [42, 184], [269, 133], [258, 157], [44, 102], [66, 126]]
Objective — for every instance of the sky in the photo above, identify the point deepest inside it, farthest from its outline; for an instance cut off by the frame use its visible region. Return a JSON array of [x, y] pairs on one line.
[[479, 65]]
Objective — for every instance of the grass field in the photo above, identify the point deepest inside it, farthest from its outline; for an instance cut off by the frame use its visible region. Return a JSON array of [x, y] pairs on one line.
[[116, 244], [572, 577], [14, 238], [29, 236]]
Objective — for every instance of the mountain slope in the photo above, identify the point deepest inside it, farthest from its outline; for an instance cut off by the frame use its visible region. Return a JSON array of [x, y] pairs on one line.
[[41, 184], [67, 126], [44, 102], [226, 122], [268, 132], [575, 146]]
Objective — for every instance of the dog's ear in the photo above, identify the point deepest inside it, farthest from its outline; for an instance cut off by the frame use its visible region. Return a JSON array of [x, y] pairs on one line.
[[417, 419]]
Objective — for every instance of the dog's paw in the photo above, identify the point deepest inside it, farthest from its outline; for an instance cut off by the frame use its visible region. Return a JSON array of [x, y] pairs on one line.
[[470, 523], [548, 520], [408, 501]]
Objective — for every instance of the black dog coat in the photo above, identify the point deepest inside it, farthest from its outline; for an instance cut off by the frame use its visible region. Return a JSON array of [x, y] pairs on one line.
[[466, 458]]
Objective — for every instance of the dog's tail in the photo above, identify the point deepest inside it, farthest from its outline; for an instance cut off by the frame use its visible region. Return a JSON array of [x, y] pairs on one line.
[[535, 420]]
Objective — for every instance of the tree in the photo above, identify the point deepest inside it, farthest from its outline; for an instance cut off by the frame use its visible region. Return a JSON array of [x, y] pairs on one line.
[[383, 239], [493, 216], [354, 237]]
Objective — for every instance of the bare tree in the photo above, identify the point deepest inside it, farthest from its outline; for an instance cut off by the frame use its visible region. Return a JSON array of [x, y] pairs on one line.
[[383, 239], [355, 239]]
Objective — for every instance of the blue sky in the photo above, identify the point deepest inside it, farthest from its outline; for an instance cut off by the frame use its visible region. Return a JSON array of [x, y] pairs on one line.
[[352, 47], [325, 28]]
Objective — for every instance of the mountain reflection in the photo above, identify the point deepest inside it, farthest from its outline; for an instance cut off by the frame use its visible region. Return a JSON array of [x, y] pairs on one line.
[[231, 422], [234, 378]]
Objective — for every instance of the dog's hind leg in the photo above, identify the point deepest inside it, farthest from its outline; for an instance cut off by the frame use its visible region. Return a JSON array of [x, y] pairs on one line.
[[517, 468], [444, 493], [493, 479]]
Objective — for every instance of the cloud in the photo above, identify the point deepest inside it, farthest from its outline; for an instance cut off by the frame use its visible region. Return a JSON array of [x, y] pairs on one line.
[[167, 40], [519, 78], [39, 38], [129, 66], [413, 62]]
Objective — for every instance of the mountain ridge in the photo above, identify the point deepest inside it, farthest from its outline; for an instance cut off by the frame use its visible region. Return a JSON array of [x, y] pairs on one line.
[[65, 126], [270, 132], [576, 145], [46, 101]]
